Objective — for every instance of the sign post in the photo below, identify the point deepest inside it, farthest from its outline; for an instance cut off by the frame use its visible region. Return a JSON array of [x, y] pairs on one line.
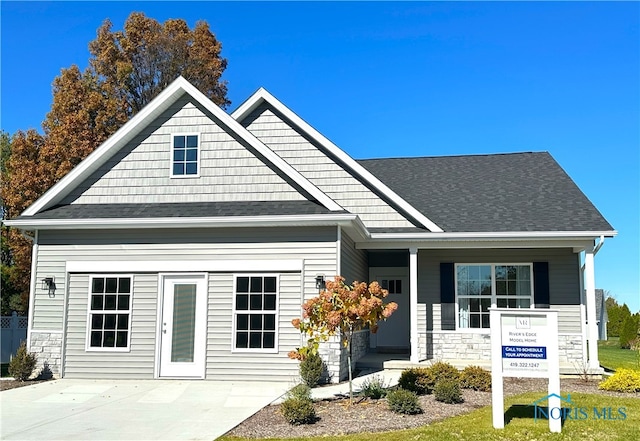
[[524, 343]]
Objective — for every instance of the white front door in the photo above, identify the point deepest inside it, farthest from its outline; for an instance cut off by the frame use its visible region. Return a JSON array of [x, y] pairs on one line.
[[394, 333], [183, 326]]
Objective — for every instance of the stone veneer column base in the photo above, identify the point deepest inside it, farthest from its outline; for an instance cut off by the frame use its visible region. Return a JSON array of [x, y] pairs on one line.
[[48, 348], [335, 356]]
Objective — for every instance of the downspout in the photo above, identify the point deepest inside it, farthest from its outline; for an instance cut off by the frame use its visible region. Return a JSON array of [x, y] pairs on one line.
[[597, 247]]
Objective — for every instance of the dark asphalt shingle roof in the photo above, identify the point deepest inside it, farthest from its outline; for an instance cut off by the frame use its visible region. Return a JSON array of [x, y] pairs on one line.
[[186, 209], [484, 193]]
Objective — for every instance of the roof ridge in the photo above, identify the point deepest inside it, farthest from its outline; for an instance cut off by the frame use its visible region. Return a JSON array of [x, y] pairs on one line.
[[455, 156]]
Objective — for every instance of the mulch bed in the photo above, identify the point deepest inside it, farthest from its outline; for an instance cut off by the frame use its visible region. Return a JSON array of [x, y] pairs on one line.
[[12, 384], [337, 417]]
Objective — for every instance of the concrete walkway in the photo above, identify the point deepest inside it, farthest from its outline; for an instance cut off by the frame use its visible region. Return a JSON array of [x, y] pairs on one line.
[[131, 410], [389, 377]]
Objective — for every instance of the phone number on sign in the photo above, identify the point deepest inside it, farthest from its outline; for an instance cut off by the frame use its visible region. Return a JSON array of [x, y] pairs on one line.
[[524, 365]]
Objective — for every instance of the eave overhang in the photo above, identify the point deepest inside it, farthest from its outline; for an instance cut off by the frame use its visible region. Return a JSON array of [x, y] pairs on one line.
[[577, 240], [26, 223]]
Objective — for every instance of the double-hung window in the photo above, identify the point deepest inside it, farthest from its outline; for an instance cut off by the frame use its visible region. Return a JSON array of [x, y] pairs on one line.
[[185, 160], [255, 313], [109, 313], [481, 286]]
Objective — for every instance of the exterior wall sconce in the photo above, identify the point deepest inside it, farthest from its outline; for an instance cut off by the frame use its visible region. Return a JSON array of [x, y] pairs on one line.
[[49, 284], [320, 284]]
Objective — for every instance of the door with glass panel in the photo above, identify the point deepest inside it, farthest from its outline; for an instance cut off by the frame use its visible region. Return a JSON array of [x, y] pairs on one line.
[[183, 326]]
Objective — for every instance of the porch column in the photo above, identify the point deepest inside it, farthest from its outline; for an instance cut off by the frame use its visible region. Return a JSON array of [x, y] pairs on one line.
[[592, 327], [413, 304]]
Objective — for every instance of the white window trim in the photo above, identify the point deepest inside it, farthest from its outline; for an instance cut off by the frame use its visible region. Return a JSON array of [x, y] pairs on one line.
[[494, 296], [88, 347], [235, 313], [185, 134]]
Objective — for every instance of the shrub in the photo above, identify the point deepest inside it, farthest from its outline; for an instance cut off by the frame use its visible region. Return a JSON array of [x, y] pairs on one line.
[[21, 366], [476, 378], [423, 380], [444, 371], [416, 380], [629, 331], [624, 380], [448, 391], [311, 369], [404, 401], [298, 411], [374, 387], [300, 391]]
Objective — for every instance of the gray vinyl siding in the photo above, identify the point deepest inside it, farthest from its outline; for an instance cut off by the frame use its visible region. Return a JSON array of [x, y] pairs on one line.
[[290, 144], [140, 172], [48, 310], [315, 247], [222, 363], [564, 282], [138, 363], [353, 262]]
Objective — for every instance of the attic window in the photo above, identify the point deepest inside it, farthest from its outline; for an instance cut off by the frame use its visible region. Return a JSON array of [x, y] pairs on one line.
[[185, 156]]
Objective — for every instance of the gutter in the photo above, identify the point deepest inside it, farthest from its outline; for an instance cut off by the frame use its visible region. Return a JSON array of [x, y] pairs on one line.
[[494, 235]]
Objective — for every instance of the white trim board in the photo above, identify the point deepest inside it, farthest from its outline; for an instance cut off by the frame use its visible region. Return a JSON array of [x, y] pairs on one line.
[[152, 110], [328, 219], [262, 95], [185, 266]]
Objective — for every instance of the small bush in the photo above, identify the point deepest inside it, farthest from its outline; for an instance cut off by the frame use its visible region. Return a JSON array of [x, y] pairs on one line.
[[448, 391], [300, 391], [404, 401], [443, 371], [21, 366], [624, 380], [374, 388], [311, 370], [298, 411], [423, 380], [476, 378], [416, 380]]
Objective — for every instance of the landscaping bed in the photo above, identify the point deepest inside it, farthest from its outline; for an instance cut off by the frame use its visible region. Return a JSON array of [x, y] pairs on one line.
[[336, 416]]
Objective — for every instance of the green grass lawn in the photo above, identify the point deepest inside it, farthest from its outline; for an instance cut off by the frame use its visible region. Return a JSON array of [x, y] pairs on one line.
[[520, 424], [612, 357]]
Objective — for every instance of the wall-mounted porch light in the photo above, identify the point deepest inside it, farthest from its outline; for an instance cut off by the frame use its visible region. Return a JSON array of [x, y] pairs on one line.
[[320, 283], [49, 284]]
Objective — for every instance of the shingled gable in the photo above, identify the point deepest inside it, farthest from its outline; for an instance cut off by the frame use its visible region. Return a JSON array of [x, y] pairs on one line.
[[339, 156], [150, 112]]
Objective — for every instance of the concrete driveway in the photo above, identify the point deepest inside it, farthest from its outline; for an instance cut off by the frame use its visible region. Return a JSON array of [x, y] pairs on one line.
[[131, 409]]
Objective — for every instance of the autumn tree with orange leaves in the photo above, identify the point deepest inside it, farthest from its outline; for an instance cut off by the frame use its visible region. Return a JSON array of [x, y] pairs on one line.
[[342, 310], [127, 69]]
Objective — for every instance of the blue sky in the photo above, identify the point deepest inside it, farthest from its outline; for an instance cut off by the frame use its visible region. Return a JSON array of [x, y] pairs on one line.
[[404, 79]]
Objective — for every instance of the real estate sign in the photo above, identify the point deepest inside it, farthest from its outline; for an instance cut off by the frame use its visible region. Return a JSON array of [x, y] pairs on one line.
[[524, 343]]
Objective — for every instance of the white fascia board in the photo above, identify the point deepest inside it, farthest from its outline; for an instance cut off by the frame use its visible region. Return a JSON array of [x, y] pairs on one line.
[[495, 235], [188, 222], [262, 95], [577, 240], [139, 122]]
